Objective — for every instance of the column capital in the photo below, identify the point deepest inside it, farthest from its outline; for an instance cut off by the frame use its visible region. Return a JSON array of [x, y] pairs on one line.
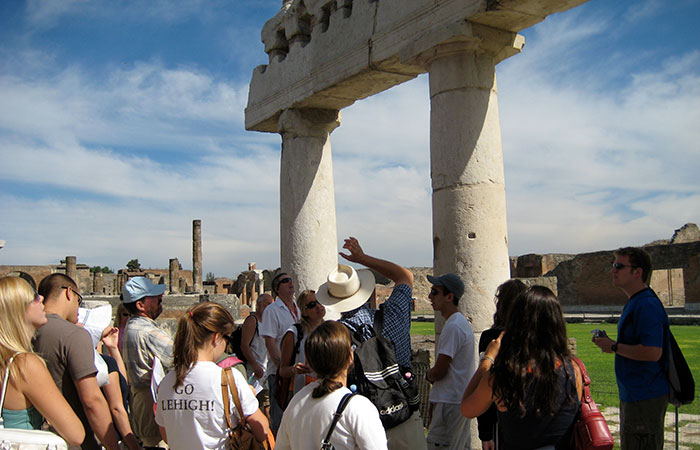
[[462, 37], [308, 122]]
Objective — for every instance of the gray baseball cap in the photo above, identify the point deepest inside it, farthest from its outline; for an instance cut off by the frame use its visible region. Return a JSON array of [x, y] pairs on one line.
[[449, 281]]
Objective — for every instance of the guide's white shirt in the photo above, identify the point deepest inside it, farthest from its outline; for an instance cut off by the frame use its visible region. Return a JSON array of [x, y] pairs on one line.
[[193, 414]]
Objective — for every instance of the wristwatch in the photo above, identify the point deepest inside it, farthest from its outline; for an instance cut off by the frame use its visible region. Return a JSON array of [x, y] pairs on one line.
[[614, 347]]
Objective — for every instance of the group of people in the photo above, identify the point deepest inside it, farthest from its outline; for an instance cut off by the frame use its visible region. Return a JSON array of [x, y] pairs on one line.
[[524, 389]]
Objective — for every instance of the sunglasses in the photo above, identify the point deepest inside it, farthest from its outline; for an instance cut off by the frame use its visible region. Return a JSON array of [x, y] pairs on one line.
[[37, 298], [284, 280], [312, 304], [618, 266], [435, 292], [80, 297]]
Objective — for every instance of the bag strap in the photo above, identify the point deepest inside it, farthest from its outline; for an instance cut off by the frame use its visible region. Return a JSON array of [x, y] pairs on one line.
[[336, 417], [4, 388], [228, 384], [300, 336], [224, 395], [586, 394]]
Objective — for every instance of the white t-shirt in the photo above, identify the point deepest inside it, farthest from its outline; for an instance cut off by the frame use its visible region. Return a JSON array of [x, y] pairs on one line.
[[457, 342], [193, 415], [277, 319], [306, 422]]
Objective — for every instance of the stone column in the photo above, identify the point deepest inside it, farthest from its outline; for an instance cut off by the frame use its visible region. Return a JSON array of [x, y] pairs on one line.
[[308, 236], [98, 283], [173, 275], [469, 202], [197, 256], [72, 268]]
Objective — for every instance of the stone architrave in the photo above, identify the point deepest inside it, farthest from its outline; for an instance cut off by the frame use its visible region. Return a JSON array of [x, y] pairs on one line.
[[174, 275], [197, 256], [72, 268], [308, 238]]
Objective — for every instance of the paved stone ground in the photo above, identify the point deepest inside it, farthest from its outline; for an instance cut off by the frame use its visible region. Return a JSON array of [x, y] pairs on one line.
[[688, 428]]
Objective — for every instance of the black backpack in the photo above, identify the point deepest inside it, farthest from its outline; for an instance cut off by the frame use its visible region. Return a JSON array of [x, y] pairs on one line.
[[678, 374], [376, 375], [676, 369]]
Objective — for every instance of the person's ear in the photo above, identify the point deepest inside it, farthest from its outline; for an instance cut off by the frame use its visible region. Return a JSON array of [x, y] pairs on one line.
[[140, 305]]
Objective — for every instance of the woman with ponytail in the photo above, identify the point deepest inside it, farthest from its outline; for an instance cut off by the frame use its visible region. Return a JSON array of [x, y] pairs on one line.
[[308, 417], [190, 408]]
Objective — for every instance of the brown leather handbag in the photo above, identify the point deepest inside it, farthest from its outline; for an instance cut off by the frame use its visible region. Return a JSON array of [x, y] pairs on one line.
[[591, 431], [241, 437]]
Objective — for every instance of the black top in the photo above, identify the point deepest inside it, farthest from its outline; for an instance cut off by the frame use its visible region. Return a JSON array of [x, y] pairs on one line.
[[532, 431], [487, 421]]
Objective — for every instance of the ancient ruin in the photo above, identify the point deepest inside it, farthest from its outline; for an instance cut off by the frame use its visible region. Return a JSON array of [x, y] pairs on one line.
[[324, 55]]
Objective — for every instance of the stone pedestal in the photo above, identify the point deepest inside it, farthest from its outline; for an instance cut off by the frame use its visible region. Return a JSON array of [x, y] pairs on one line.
[[174, 275], [308, 237], [469, 202], [197, 256]]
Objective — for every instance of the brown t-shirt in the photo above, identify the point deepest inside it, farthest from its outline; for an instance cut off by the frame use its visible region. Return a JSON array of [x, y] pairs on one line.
[[69, 356]]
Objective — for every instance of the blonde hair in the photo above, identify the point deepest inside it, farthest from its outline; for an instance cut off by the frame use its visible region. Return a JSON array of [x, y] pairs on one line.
[[301, 304], [15, 331]]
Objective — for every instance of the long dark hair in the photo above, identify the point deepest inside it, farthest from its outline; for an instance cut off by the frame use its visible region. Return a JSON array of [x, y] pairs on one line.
[[506, 293], [197, 325], [533, 345], [328, 349]]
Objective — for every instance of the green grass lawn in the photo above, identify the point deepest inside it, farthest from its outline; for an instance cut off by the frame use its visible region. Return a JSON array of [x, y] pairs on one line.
[[600, 366]]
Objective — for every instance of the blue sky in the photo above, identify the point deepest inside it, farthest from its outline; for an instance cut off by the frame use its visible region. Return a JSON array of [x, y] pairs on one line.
[[120, 122]]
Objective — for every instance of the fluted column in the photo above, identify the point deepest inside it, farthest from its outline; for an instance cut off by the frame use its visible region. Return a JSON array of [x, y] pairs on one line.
[[307, 196]]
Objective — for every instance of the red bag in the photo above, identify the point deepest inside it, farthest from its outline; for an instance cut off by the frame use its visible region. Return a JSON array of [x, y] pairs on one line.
[[591, 431]]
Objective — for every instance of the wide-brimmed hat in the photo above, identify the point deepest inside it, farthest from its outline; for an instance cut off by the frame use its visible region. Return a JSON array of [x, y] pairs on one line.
[[139, 287], [345, 290]]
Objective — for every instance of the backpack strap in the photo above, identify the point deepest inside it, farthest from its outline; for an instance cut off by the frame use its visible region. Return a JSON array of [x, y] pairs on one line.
[[379, 320], [336, 417], [300, 336]]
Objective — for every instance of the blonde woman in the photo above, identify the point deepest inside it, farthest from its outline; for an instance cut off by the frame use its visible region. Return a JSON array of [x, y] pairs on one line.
[[312, 313], [31, 392]]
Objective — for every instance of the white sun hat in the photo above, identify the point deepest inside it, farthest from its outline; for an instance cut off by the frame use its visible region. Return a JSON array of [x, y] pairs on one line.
[[345, 290]]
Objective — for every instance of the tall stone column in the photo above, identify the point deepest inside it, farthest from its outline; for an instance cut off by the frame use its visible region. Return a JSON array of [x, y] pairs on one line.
[[308, 235], [197, 256], [174, 275], [72, 268], [469, 202]]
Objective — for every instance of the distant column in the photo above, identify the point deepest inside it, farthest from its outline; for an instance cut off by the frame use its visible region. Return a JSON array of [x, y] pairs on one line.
[[308, 236], [197, 255], [72, 268], [98, 283], [174, 275]]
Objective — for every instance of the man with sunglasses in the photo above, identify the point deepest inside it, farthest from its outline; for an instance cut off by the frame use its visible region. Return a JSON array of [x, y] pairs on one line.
[[277, 319], [69, 355], [455, 364], [641, 332]]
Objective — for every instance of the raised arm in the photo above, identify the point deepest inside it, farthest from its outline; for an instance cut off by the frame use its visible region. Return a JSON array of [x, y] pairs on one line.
[[110, 338], [48, 400], [396, 273]]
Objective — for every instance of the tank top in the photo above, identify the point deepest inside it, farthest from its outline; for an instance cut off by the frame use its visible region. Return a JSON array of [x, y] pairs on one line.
[[24, 419], [532, 431]]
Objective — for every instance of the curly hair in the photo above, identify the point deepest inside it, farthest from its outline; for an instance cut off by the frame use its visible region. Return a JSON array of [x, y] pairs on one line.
[[533, 346]]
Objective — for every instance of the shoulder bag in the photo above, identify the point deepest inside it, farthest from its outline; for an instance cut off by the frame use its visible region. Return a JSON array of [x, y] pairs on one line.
[[326, 444], [19, 439], [241, 437], [590, 431]]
